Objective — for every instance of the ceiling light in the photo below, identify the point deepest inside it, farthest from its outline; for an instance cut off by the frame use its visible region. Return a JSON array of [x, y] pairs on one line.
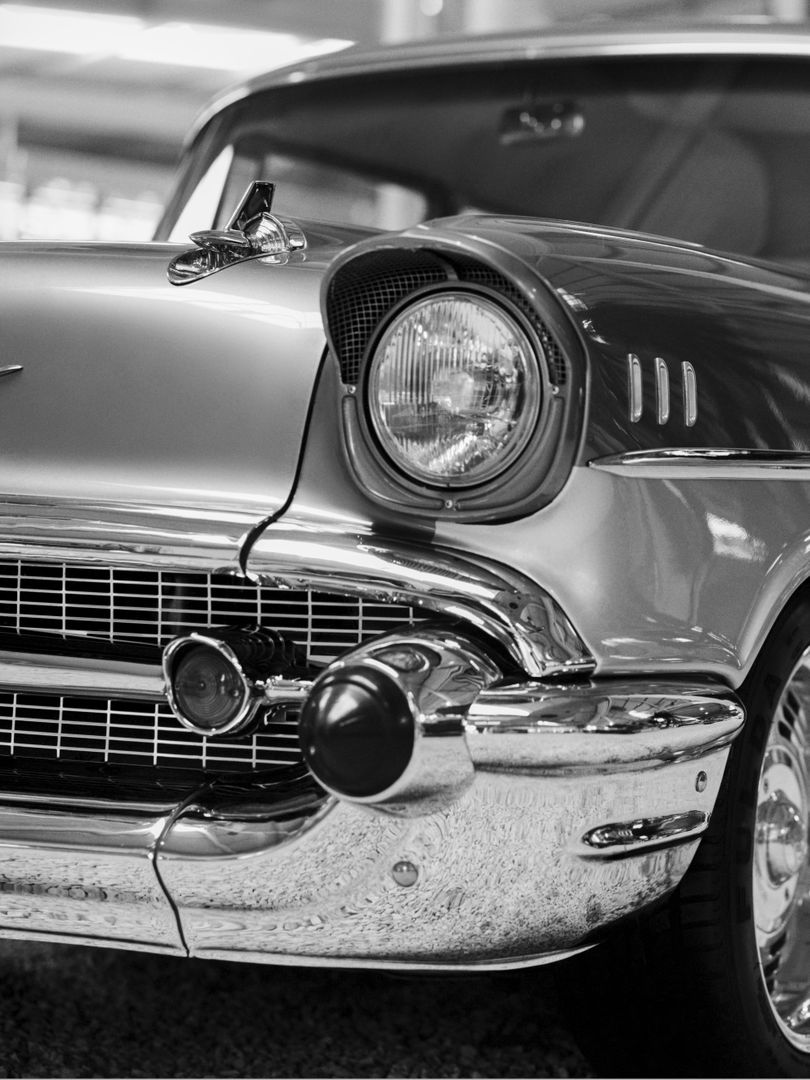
[[58, 30], [223, 48], [183, 44]]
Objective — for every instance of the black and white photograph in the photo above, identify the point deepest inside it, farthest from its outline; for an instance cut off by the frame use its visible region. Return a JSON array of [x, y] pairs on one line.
[[405, 538]]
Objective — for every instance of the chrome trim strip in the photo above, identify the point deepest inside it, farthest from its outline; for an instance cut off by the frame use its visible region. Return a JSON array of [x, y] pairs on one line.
[[599, 727], [497, 600], [622, 837], [181, 537], [661, 390], [81, 676], [634, 388], [690, 400], [512, 963], [707, 463]]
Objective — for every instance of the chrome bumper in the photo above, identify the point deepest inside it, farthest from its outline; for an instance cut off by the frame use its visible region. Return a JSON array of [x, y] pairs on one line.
[[576, 803], [586, 803]]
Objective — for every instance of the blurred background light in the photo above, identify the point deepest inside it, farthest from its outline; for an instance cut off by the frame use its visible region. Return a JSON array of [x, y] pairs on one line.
[[188, 44], [96, 95]]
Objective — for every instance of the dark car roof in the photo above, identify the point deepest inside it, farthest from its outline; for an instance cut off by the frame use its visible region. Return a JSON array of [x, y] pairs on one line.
[[753, 38]]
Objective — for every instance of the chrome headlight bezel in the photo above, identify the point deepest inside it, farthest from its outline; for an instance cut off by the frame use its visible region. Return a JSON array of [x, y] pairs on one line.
[[534, 394], [368, 287]]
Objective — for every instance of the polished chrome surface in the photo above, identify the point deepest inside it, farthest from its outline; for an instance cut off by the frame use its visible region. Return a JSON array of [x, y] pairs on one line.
[[84, 876], [105, 533], [254, 876], [41, 727], [251, 694], [277, 889], [78, 675], [252, 233], [662, 410], [88, 600], [781, 869], [600, 726], [441, 674], [661, 390], [690, 396], [634, 387], [263, 663], [489, 595], [680, 463], [620, 837]]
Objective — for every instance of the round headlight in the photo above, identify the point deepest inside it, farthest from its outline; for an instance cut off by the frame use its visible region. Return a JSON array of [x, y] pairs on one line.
[[454, 390]]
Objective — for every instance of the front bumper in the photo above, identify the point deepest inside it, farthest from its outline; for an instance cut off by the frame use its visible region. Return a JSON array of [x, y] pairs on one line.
[[579, 800], [586, 804]]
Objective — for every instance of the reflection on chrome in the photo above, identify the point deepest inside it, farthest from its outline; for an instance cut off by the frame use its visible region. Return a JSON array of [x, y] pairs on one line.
[[710, 463], [515, 612], [781, 870]]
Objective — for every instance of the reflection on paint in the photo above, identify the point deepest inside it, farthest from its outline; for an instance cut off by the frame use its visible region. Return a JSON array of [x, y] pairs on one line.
[[729, 538]]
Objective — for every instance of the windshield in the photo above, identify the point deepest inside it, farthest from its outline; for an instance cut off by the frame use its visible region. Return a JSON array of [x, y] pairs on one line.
[[712, 151]]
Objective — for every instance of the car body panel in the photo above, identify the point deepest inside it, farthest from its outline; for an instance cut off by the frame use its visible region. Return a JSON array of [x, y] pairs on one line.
[[564, 663], [117, 401]]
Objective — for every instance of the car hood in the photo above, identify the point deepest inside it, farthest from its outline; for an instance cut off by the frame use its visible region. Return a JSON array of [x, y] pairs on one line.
[[134, 390]]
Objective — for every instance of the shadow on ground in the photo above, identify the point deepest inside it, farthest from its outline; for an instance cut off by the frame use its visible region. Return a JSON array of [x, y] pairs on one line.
[[68, 1011]]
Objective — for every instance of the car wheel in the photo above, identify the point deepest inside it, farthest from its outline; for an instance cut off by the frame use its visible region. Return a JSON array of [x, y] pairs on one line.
[[716, 981]]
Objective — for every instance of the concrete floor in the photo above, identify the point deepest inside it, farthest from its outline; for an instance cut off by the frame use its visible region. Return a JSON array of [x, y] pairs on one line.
[[70, 1011]]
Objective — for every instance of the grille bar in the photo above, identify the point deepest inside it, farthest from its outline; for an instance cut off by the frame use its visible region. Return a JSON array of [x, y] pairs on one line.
[[57, 723], [117, 732], [134, 605]]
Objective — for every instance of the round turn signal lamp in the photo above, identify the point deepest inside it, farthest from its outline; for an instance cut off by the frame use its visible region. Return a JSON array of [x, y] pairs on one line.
[[208, 689], [207, 684]]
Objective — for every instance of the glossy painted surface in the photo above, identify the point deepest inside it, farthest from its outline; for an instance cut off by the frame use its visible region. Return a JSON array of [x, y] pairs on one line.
[[671, 573], [154, 426], [135, 391]]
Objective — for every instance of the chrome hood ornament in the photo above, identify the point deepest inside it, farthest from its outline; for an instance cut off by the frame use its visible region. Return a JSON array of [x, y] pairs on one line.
[[252, 233]]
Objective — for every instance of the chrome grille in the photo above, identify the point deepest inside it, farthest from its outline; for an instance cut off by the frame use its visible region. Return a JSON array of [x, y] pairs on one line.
[[88, 730], [120, 605], [145, 606]]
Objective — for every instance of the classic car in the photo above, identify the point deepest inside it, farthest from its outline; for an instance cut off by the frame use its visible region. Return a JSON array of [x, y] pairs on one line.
[[405, 557]]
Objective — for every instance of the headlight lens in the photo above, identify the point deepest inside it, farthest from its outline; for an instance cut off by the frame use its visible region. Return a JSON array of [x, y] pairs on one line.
[[454, 389]]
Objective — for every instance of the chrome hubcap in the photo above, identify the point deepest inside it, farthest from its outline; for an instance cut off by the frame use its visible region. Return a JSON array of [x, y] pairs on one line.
[[781, 875]]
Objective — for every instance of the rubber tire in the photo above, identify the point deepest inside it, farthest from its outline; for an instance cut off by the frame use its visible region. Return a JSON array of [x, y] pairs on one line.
[[677, 991]]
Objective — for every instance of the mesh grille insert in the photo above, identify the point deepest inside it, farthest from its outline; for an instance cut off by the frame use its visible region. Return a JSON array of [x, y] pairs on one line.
[[367, 289]]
